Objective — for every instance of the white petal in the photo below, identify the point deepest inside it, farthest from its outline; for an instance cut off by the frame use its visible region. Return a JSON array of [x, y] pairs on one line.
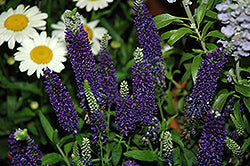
[[20, 8], [93, 24], [32, 69], [32, 11], [89, 7], [38, 23], [11, 43], [24, 65]]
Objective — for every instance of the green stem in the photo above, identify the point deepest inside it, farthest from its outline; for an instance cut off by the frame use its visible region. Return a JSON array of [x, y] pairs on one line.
[[150, 146], [63, 155], [193, 25], [160, 108], [108, 122]]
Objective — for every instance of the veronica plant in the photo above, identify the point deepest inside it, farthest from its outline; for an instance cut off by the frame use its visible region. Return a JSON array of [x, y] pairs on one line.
[[23, 149]]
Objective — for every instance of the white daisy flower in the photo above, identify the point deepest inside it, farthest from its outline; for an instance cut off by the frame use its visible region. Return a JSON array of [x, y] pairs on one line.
[[92, 4], [94, 33], [15, 25], [40, 52]]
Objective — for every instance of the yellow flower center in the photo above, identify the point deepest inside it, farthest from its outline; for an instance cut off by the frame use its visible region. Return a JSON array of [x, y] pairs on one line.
[[89, 31], [41, 54], [16, 22]]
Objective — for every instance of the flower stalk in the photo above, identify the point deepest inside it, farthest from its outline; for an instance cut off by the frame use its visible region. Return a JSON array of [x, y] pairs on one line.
[[186, 4]]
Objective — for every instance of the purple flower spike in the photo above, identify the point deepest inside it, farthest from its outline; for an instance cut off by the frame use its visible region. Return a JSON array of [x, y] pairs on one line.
[[211, 145], [130, 163], [125, 111], [149, 41], [81, 57], [143, 90], [199, 102], [106, 69], [61, 102], [98, 126], [23, 149]]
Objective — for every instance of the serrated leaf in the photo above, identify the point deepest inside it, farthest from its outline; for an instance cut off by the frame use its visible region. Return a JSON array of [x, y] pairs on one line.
[[195, 67], [221, 100], [51, 158], [245, 145], [217, 34], [178, 35], [165, 19], [243, 89], [46, 126], [142, 155], [116, 154], [247, 103], [201, 12]]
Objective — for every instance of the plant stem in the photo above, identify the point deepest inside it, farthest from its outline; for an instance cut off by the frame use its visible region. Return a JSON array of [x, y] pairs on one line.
[[63, 155], [238, 69], [193, 25], [160, 108]]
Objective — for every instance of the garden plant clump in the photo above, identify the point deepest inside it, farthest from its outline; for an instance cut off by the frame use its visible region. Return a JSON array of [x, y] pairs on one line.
[[125, 83]]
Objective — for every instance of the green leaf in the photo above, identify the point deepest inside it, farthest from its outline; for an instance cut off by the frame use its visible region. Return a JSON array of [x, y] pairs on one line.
[[237, 115], [247, 103], [221, 100], [201, 12], [170, 107], [176, 138], [23, 86], [206, 27], [236, 123], [217, 34], [56, 138], [68, 147], [185, 57], [186, 75], [195, 66], [245, 145], [170, 119], [245, 121], [211, 14], [211, 46], [166, 35], [142, 155], [189, 156], [46, 126], [165, 19], [116, 154], [178, 35], [243, 89], [13, 3], [51, 158]]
